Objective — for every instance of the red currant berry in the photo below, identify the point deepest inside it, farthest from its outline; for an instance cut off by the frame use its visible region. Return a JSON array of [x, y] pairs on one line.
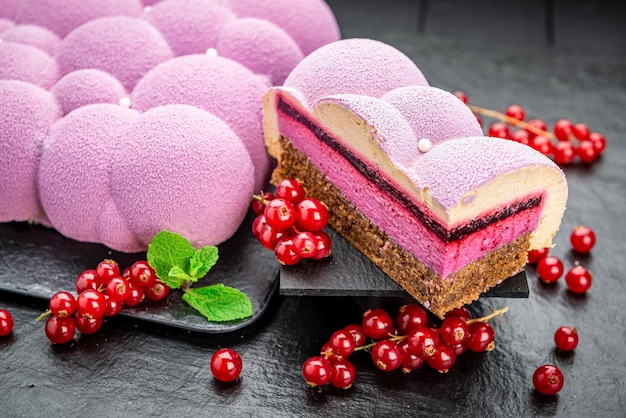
[[280, 214], [106, 270], [328, 352], [260, 202], [578, 279], [305, 244], [411, 317], [360, 338], [62, 304], [564, 153], [499, 130], [587, 152], [461, 95], [226, 365], [377, 324], [461, 312], [537, 124], [599, 142], [515, 111], [443, 358], [386, 355], [423, 341], [86, 280], [114, 307], [118, 288], [534, 256], [286, 252], [291, 190], [454, 330], [91, 304], [269, 237], [521, 135], [60, 330], [311, 215], [481, 337], [343, 343], [581, 131], [582, 239], [548, 379], [6, 323], [141, 274], [409, 361], [87, 325], [566, 338], [136, 294], [323, 245], [342, 374], [257, 226], [562, 129], [549, 269], [316, 371], [157, 291], [458, 349], [542, 144]]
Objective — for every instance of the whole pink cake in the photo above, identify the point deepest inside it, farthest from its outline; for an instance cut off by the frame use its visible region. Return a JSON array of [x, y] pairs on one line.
[[408, 176], [126, 117]]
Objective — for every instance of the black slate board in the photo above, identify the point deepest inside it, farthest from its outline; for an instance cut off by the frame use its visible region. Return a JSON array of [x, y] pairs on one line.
[[347, 272], [38, 262]]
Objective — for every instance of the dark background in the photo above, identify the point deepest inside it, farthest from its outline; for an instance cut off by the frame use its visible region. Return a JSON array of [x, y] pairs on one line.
[[557, 59]]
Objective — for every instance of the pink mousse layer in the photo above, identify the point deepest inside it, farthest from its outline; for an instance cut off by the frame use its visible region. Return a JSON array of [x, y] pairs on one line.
[[395, 220]]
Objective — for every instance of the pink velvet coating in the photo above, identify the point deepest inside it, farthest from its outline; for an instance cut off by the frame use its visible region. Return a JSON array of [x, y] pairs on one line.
[[218, 85], [189, 26], [8, 8], [182, 169], [353, 66], [311, 23], [5, 24], [82, 87], [74, 175], [32, 35], [261, 46], [125, 47], [64, 16], [27, 63], [25, 117]]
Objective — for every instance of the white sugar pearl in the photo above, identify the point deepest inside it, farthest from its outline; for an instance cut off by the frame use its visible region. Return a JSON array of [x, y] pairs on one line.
[[125, 102], [424, 145], [212, 52]]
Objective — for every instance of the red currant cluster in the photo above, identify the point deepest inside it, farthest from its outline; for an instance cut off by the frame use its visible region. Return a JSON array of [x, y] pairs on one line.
[[550, 268], [548, 378], [563, 144], [406, 343], [290, 224], [6, 323], [101, 292]]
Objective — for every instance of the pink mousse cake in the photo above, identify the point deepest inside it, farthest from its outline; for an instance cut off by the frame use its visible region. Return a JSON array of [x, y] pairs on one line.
[[408, 176], [125, 117]]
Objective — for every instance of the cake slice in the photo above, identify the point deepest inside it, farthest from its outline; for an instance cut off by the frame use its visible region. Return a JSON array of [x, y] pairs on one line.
[[408, 176]]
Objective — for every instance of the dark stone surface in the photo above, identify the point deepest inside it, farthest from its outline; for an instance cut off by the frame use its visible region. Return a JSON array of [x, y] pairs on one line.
[[138, 368]]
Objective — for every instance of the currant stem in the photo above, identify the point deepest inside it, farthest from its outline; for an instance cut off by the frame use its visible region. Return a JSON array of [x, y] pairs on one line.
[[394, 338], [498, 312], [512, 121], [44, 315]]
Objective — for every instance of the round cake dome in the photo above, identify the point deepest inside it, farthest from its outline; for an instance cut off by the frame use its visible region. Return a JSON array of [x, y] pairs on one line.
[[27, 63], [82, 87]]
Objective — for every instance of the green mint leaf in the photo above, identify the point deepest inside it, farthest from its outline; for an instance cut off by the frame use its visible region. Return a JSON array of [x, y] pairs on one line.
[[178, 273], [219, 303], [202, 261], [166, 251]]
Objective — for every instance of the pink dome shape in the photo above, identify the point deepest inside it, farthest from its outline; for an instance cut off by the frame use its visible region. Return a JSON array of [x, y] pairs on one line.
[[27, 63], [5, 24], [125, 47], [261, 46], [354, 66], [64, 16], [218, 85], [184, 170], [434, 114], [33, 35], [311, 23], [25, 116], [82, 87], [74, 185], [189, 26]]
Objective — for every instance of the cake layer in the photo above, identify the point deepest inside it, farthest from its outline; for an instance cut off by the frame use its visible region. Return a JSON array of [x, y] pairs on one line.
[[406, 222]]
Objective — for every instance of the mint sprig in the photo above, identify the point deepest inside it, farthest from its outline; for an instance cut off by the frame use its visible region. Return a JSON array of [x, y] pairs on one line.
[[178, 264]]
